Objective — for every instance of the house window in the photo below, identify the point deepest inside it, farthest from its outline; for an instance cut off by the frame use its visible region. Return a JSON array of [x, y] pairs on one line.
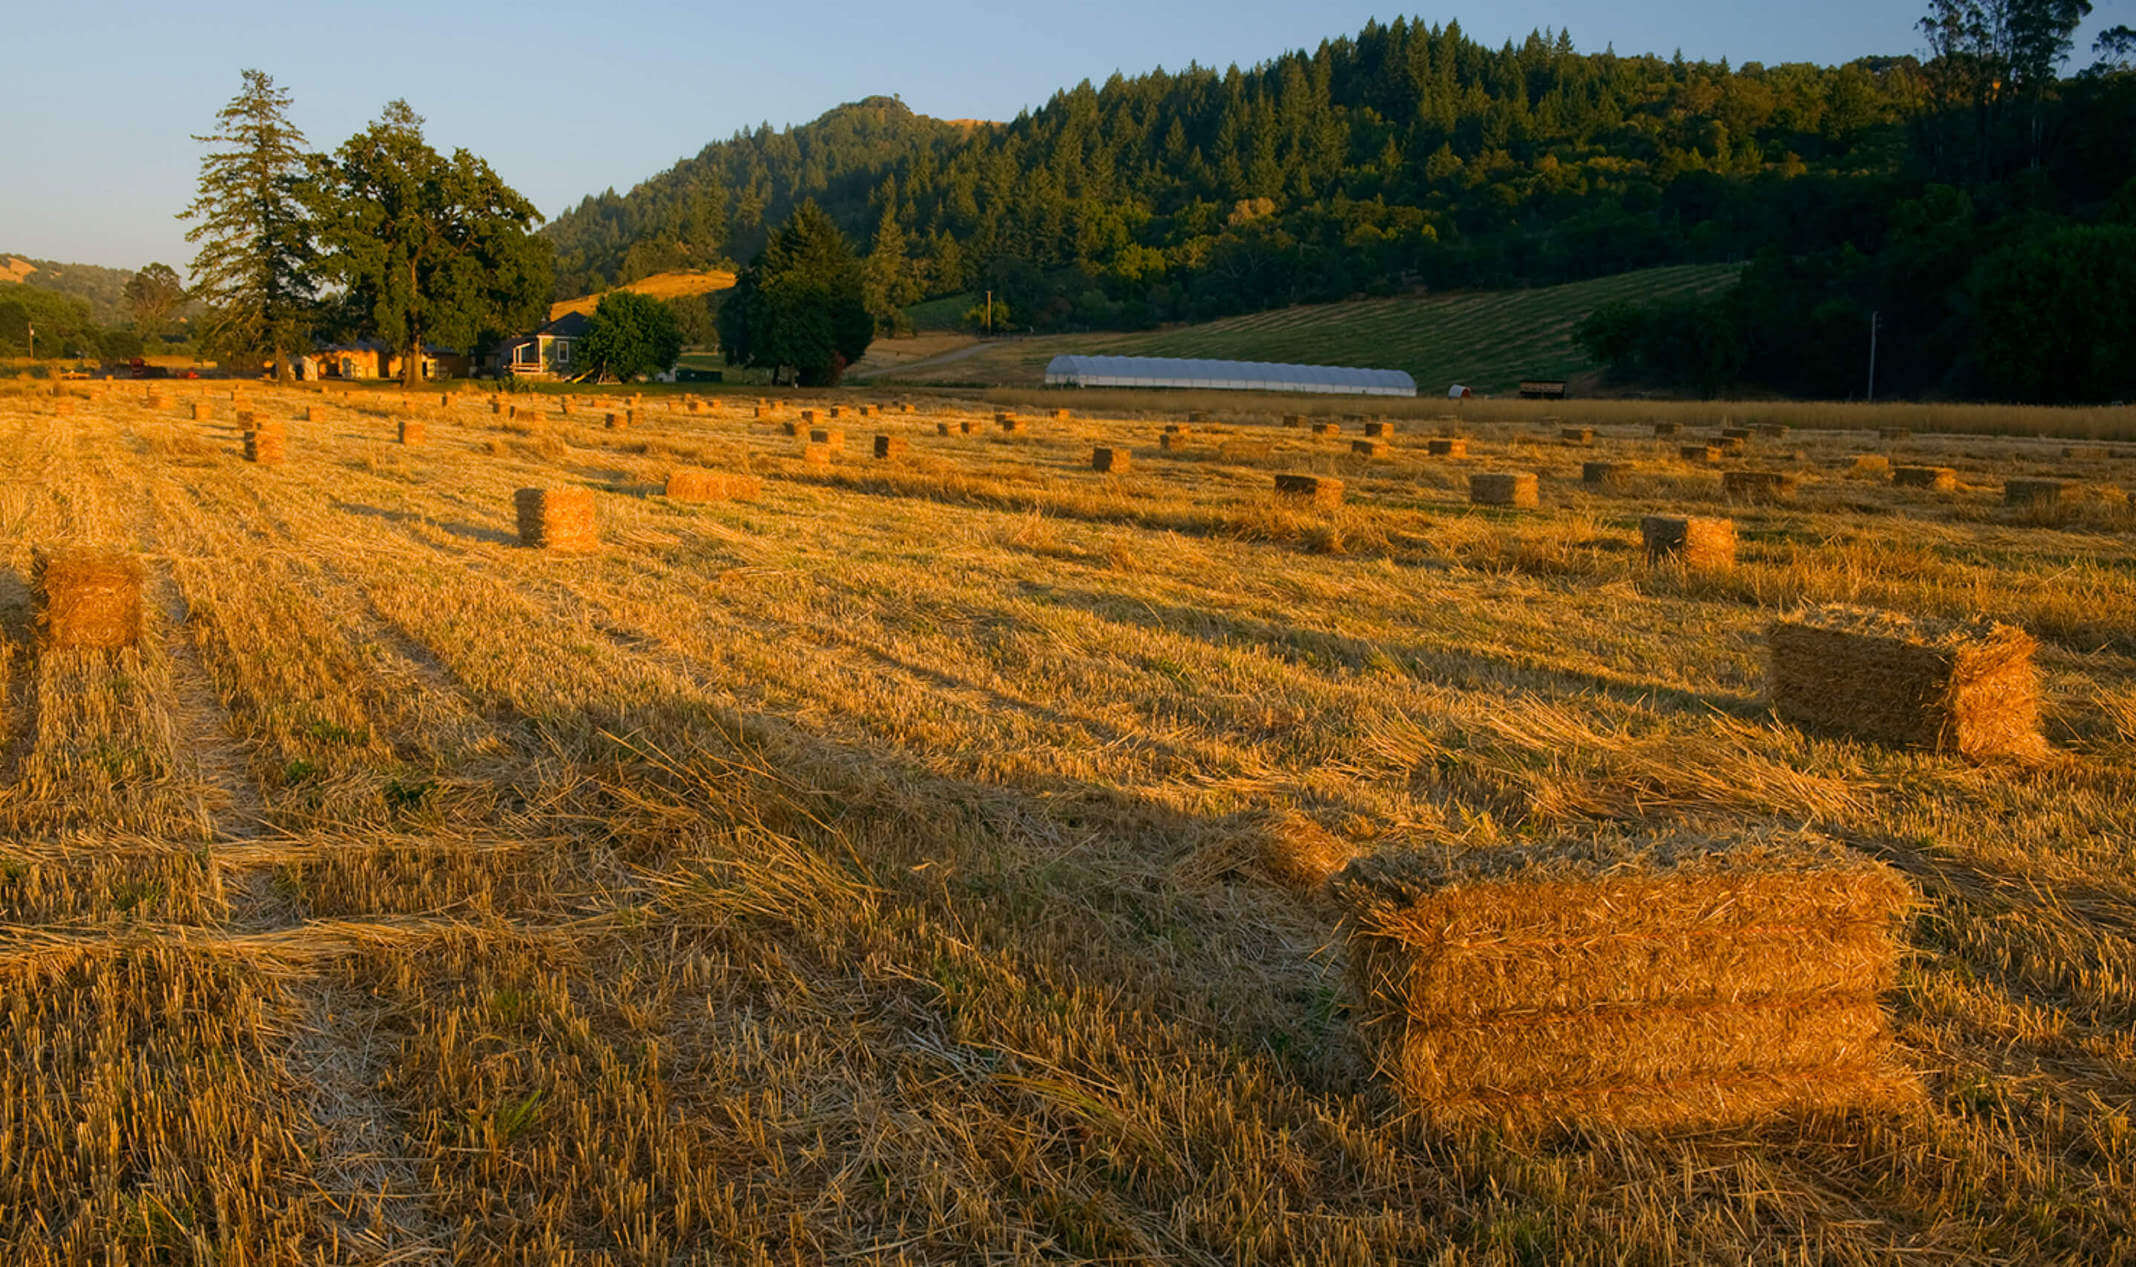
[[563, 351]]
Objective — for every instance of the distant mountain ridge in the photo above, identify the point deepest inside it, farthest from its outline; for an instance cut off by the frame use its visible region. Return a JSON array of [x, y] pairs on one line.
[[103, 289]]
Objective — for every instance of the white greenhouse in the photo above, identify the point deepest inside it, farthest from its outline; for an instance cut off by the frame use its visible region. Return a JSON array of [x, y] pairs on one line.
[[1242, 376]]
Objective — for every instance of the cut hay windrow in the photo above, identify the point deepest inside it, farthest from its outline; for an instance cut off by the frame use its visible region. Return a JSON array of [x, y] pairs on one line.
[[891, 448], [1298, 853], [1504, 488], [1112, 460], [1942, 479], [1694, 541], [87, 598], [1682, 985], [561, 519], [711, 486], [1447, 447], [1317, 490], [2037, 492], [1757, 486], [1968, 688]]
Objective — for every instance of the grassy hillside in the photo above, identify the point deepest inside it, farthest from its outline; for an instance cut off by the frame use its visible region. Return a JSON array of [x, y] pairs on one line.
[[1488, 340], [659, 286]]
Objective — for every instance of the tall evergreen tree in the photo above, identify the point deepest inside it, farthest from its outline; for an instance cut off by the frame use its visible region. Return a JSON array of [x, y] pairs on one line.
[[800, 305], [253, 269], [425, 247]]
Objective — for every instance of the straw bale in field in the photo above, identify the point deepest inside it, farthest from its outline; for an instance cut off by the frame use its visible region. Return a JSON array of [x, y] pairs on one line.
[[1678, 984], [941, 428], [1871, 464], [1294, 420], [413, 431], [1009, 425], [830, 437], [203, 411], [1109, 459], [305, 414], [1063, 414], [904, 406], [1319, 490], [791, 428], [1699, 452], [498, 407], [157, 400], [890, 448], [444, 400], [1692, 540], [808, 417], [2083, 452], [816, 454], [1968, 688], [1773, 430], [1577, 435], [1177, 429], [1245, 450], [2037, 492], [1299, 853], [616, 422], [1368, 448], [1665, 429], [266, 444], [1504, 488], [63, 407], [87, 598], [1730, 444], [247, 418], [556, 518], [1172, 442], [1378, 429], [1940, 478], [1601, 472], [1447, 447], [711, 486], [967, 426], [1327, 428], [1757, 486]]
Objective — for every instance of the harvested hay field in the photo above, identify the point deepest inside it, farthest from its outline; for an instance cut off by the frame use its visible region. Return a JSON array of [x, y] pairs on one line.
[[928, 859]]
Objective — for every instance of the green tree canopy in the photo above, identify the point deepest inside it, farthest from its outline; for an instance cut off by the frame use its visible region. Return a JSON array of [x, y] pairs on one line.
[[153, 295], [2058, 316], [253, 269], [425, 248], [800, 305], [630, 336]]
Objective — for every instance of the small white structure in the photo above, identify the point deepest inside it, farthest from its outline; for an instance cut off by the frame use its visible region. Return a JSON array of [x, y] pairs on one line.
[[1457, 392], [1248, 376]]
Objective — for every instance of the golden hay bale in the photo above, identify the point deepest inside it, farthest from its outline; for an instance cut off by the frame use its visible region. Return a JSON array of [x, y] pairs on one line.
[[414, 431], [1008, 424], [834, 412], [1577, 435], [499, 407], [1110, 459], [816, 454], [831, 437], [791, 428], [2037, 492], [87, 598], [1447, 447], [1327, 428], [1871, 464], [1294, 420], [891, 448], [1368, 448], [444, 400], [1940, 478], [1177, 429], [1949, 687], [1378, 429], [1730, 444], [1298, 853], [1063, 414], [1672, 985], [615, 422], [1699, 452], [1694, 541], [1172, 442], [305, 414], [1773, 430], [1504, 488], [157, 400], [711, 486], [1318, 490], [808, 417], [1245, 450], [63, 407], [267, 445], [1757, 486], [941, 428], [1662, 430], [247, 418], [203, 411], [556, 518], [967, 426]]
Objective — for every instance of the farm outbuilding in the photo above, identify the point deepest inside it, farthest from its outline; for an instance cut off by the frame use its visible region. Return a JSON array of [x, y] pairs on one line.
[[1263, 376]]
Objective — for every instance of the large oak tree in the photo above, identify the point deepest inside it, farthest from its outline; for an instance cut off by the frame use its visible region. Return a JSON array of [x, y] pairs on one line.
[[424, 248]]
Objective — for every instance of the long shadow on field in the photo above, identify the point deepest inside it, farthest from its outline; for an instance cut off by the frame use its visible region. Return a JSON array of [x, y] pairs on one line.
[[21, 688], [468, 531], [1465, 666]]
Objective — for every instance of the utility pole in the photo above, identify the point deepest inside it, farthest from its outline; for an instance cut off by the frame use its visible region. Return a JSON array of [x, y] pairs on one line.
[[990, 312], [1876, 320], [32, 328]]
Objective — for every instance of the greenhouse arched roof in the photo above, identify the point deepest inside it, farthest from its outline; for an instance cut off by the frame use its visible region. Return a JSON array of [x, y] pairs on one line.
[[1267, 376]]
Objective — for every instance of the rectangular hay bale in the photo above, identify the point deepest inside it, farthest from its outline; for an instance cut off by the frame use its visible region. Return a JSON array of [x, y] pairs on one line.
[[1681, 984], [890, 448], [1447, 447], [87, 598], [1601, 473], [1968, 688], [561, 519], [2037, 492], [1757, 486], [1504, 488], [1577, 435], [413, 431], [1368, 448], [1318, 490], [1942, 479], [1692, 540], [1112, 460]]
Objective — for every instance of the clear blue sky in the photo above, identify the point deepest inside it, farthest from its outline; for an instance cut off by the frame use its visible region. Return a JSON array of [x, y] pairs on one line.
[[99, 98]]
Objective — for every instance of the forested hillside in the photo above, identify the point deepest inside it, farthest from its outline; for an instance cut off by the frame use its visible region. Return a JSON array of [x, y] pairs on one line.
[[103, 290]]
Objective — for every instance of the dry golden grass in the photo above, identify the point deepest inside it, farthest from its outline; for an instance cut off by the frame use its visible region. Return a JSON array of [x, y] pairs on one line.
[[676, 285], [879, 868]]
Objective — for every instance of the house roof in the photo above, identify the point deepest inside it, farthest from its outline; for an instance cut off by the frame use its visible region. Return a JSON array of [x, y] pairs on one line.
[[572, 325]]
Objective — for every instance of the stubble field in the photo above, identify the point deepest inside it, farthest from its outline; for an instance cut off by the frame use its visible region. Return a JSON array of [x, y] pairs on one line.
[[870, 870]]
